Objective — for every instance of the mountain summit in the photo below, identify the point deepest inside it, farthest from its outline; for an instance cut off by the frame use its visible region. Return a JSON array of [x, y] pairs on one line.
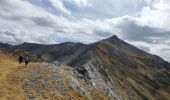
[[121, 70]]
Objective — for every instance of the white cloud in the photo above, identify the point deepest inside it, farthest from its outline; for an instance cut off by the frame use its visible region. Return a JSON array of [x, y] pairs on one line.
[[81, 2], [22, 21], [156, 15], [58, 4]]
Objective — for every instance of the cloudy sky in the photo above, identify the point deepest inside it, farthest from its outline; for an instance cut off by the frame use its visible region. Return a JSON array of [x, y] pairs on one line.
[[143, 23]]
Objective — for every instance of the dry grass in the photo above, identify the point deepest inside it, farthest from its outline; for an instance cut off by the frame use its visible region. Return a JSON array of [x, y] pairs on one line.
[[142, 91], [102, 57], [164, 94], [146, 72], [8, 66]]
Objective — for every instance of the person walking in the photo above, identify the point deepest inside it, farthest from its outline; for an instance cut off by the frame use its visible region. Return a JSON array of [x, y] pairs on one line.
[[20, 59], [26, 60]]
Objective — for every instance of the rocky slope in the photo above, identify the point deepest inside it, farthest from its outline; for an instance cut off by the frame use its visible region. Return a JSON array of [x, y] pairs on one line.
[[43, 81], [124, 71]]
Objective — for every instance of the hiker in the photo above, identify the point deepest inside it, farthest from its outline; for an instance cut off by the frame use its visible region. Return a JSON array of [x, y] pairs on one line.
[[27, 60], [20, 59]]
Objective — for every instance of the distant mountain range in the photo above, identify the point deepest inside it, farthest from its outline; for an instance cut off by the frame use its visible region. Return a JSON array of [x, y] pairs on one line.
[[49, 52], [111, 64], [4, 45]]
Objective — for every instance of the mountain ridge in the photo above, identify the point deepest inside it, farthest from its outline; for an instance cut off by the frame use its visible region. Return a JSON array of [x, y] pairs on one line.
[[4, 45], [120, 69], [26, 46]]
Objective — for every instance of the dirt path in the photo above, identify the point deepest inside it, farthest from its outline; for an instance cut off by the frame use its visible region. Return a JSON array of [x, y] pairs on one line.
[[7, 66]]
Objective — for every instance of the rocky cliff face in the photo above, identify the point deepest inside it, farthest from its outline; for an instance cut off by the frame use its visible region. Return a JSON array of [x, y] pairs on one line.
[[119, 69], [124, 71]]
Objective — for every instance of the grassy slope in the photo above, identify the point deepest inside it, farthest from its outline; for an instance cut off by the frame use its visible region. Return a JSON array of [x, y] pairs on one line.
[[7, 65], [141, 80], [15, 80]]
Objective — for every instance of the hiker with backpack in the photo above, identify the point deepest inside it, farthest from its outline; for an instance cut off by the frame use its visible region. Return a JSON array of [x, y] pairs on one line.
[[20, 59], [27, 60]]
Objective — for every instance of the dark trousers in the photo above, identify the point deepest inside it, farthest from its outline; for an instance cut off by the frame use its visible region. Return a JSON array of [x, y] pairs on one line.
[[26, 62], [20, 61]]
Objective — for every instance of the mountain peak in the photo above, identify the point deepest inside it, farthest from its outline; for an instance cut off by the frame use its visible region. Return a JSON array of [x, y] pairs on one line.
[[114, 40], [114, 37]]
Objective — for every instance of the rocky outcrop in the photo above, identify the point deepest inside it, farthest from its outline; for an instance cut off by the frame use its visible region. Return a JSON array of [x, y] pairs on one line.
[[98, 78]]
